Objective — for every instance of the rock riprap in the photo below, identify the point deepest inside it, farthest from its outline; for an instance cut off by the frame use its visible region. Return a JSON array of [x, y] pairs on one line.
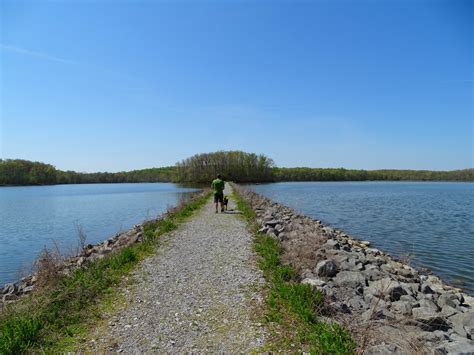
[[197, 294], [388, 305]]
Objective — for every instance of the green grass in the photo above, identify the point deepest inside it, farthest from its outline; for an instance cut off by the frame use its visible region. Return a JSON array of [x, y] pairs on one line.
[[292, 308], [59, 314]]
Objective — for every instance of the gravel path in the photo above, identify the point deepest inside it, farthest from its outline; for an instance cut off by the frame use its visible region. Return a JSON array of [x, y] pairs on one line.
[[197, 293]]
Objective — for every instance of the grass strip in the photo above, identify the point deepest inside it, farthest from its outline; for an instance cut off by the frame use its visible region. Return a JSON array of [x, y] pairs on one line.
[[56, 315], [292, 309]]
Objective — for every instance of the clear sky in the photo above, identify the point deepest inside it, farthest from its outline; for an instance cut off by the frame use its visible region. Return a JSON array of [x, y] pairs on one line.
[[119, 85]]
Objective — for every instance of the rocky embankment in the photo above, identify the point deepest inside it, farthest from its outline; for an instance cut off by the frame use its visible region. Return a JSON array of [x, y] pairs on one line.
[[389, 306], [52, 263]]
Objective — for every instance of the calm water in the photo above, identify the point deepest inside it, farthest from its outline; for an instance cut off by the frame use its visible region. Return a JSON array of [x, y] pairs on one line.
[[33, 217], [432, 222]]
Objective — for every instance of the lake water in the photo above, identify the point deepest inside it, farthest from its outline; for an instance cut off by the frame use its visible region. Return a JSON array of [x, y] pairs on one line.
[[34, 217], [431, 222]]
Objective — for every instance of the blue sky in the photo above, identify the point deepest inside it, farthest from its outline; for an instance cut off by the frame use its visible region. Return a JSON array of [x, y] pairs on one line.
[[120, 85]]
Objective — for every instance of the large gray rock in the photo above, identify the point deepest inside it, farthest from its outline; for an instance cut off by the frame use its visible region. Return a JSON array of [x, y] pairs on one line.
[[327, 268], [448, 311], [433, 337], [383, 349], [279, 228], [9, 297], [386, 288], [314, 282], [338, 256], [463, 324], [428, 306], [425, 288], [375, 259], [357, 303], [449, 299], [332, 244], [459, 345], [428, 318], [402, 307], [412, 288], [411, 299], [352, 265], [10, 288], [28, 289], [273, 222], [373, 273], [350, 279]]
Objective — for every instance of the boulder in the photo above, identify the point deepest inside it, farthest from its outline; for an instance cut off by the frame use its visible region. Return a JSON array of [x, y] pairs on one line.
[[402, 307], [459, 345], [279, 228], [352, 265], [375, 260], [412, 288], [332, 244], [339, 256], [10, 288], [273, 222], [433, 337], [350, 279], [383, 349], [411, 299], [28, 289], [428, 306], [425, 288], [326, 268], [271, 232], [449, 299], [313, 282], [372, 272], [357, 303], [9, 297], [347, 248], [448, 311], [377, 314], [340, 307], [386, 288], [428, 318], [328, 230], [463, 324]]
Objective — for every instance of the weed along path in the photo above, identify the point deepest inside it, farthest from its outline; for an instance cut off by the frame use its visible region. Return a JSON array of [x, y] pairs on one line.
[[198, 292]]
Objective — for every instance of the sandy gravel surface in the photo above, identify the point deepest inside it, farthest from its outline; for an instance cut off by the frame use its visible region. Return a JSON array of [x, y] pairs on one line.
[[198, 293]]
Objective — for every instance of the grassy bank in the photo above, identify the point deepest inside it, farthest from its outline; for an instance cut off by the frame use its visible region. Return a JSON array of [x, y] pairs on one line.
[[292, 309], [50, 319]]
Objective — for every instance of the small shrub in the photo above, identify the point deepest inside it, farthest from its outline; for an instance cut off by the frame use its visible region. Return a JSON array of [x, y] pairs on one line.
[[18, 333]]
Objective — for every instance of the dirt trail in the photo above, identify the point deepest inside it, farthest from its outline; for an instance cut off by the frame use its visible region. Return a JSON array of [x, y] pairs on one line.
[[197, 293]]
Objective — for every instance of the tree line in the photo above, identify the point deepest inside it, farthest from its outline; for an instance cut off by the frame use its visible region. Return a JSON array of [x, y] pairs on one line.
[[24, 172], [235, 166], [341, 174]]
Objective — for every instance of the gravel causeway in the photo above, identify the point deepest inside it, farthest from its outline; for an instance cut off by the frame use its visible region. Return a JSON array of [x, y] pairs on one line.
[[198, 293]]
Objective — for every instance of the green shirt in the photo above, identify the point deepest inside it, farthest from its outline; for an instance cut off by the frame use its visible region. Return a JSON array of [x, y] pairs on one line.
[[218, 186]]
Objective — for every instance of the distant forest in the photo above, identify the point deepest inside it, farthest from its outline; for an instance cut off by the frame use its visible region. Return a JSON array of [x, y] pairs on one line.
[[24, 172], [233, 165]]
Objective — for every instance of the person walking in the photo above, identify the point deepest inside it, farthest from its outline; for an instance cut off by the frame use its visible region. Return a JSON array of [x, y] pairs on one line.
[[218, 186]]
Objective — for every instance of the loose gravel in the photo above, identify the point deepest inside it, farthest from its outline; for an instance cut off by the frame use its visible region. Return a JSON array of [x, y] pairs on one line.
[[199, 292]]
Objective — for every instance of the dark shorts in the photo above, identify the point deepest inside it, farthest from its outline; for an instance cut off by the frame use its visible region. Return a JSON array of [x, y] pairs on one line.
[[218, 197]]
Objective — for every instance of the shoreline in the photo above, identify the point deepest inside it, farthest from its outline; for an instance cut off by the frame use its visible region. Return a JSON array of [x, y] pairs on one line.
[[253, 183], [378, 297], [11, 292]]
